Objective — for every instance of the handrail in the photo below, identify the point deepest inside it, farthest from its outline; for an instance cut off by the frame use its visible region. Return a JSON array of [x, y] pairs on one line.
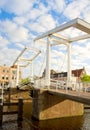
[[60, 84]]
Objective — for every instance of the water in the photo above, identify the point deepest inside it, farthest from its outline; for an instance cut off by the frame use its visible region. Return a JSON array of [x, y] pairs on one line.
[[71, 123]]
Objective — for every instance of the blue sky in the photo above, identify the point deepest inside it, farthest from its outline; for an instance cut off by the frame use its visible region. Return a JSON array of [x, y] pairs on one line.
[[23, 20]]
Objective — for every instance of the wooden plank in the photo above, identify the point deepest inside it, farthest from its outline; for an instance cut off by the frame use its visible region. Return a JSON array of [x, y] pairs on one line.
[[10, 112], [10, 104]]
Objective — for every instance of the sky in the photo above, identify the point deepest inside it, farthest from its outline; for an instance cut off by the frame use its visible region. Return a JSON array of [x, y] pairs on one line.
[[23, 20]]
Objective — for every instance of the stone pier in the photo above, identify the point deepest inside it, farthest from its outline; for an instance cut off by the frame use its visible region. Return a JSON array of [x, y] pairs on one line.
[[49, 106]]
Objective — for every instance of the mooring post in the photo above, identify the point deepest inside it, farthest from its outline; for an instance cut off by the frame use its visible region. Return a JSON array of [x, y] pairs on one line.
[[1, 112], [19, 125], [20, 109], [9, 95]]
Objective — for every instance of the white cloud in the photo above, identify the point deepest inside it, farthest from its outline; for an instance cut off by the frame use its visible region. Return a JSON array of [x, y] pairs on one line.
[[32, 15], [43, 23], [81, 55], [37, 12], [20, 34], [81, 52], [7, 56], [2, 3], [36, 27], [18, 7], [77, 8], [57, 5], [3, 42], [47, 21], [86, 14], [20, 20], [14, 32], [60, 5]]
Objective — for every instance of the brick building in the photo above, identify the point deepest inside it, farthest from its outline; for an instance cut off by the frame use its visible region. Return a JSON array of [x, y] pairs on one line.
[[8, 75], [77, 73]]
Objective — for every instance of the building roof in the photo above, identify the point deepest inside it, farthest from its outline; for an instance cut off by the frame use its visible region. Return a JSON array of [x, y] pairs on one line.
[[14, 66], [53, 72], [76, 73]]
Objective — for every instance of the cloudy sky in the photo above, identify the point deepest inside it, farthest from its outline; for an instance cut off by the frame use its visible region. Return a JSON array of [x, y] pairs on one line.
[[23, 20]]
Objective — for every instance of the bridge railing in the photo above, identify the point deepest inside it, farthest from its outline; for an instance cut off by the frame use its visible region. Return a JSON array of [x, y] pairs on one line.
[[79, 87], [62, 85], [39, 83]]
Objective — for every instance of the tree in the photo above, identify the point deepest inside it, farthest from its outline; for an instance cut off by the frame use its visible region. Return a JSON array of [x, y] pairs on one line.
[[25, 81], [85, 78]]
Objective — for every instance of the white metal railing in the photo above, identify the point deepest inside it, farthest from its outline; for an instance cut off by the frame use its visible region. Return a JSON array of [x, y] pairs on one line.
[[79, 87], [39, 83], [59, 84]]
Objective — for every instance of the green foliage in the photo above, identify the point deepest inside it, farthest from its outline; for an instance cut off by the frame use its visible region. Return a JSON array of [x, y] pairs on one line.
[[85, 78], [25, 81]]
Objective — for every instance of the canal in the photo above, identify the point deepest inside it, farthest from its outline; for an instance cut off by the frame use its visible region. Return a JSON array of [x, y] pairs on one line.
[[71, 123]]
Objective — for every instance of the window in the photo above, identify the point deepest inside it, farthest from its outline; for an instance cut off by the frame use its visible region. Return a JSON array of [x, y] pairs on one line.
[[73, 75], [14, 72], [52, 76], [59, 75], [6, 78], [7, 71], [13, 77], [3, 77], [3, 70], [62, 75]]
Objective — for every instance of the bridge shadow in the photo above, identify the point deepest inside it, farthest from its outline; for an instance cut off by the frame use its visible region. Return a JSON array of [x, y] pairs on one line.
[[47, 100], [69, 123], [53, 99]]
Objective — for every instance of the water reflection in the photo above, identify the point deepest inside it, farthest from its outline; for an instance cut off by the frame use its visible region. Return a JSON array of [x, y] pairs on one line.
[[69, 123], [73, 123], [19, 124]]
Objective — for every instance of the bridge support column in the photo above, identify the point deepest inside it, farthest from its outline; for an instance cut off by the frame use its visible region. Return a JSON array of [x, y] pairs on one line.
[[47, 106], [69, 74], [48, 63]]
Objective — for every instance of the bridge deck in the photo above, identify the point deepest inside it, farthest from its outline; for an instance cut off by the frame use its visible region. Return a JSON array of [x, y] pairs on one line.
[[81, 97]]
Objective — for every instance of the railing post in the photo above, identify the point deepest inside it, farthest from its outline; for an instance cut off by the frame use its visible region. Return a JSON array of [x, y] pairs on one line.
[[20, 109], [1, 112], [79, 89], [56, 85]]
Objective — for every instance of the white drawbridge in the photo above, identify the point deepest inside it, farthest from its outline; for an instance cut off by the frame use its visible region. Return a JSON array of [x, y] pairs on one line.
[[59, 36], [25, 61]]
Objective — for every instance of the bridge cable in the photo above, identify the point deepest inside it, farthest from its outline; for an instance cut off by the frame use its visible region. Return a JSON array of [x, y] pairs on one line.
[[42, 64], [62, 63]]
